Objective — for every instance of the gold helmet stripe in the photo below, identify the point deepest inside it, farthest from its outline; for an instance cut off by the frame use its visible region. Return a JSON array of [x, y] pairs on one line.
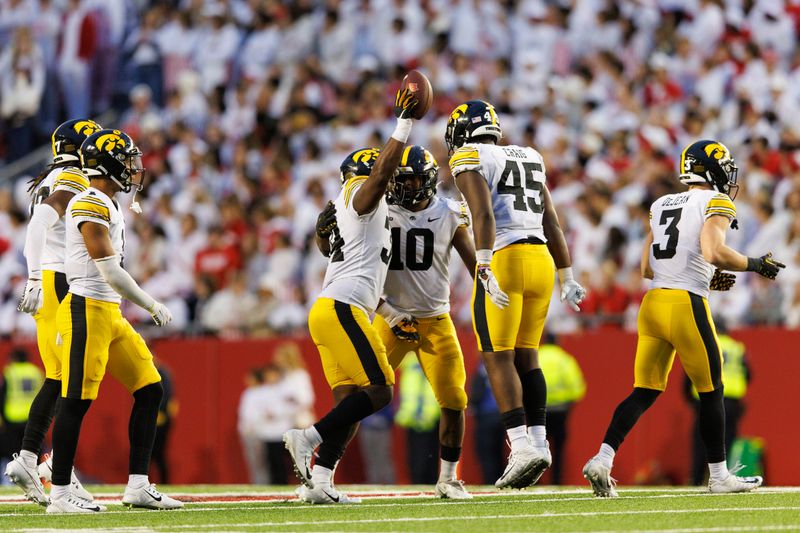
[[404, 159]]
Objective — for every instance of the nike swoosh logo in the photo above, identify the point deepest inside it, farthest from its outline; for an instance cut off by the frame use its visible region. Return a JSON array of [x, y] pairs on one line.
[[432, 219], [440, 318], [328, 494], [156, 499]]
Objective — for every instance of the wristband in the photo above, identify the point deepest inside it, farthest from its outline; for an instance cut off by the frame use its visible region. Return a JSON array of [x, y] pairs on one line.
[[753, 264], [483, 257], [565, 274], [402, 130]]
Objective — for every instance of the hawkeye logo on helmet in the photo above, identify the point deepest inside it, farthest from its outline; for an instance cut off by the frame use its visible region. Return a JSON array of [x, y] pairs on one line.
[[365, 156], [460, 110], [85, 127], [715, 150], [109, 141]]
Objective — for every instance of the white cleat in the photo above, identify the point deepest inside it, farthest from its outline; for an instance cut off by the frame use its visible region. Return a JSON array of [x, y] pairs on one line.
[[599, 476], [543, 461], [301, 451], [148, 497], [452, 489], [734, 484], [72, 504], [46, 473], [520, 466], [324, 494], [28, 480]]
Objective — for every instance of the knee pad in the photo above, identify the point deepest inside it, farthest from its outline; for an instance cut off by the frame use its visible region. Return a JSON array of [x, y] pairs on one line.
[[453, 398]]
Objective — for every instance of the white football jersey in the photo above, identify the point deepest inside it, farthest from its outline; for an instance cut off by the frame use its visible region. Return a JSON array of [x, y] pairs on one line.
[[69, 179], [418, 281], [360, 248], [676, 221], [516, 178], [83, 277]]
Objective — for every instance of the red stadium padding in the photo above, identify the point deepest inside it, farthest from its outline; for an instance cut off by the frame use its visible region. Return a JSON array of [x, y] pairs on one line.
[[209, 373]]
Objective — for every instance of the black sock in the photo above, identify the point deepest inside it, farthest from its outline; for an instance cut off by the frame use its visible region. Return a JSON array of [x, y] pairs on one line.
[[712, 424], [66, 431], [513, 418], [450, 453], [351, 409], [332, 448], [627, 413], [142, 427], [41, 415], [534, 397]]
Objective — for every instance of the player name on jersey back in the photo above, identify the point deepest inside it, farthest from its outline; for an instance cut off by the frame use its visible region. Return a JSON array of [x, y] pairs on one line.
[[516, 179], [83, 277], [360, 248], [418, 281], [676, 221]]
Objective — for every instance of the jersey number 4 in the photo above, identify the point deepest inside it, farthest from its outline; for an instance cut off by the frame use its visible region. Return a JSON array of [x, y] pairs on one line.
[[522, 201], [412, 263], [669, 218]]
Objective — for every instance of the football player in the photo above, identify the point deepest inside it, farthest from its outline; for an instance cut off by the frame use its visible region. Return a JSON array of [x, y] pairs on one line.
[[414, 312], [352, 353], [96, 337], [46, 287], [517, 238], [685, 243]]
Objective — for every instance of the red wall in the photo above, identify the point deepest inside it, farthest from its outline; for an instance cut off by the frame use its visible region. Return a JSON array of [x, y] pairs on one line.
[[208, 376]]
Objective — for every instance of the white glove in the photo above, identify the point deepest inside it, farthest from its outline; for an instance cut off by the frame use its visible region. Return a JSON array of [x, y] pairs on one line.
[[392, 315], [31, 300], [496, 295], [160, 313], [571, 290]]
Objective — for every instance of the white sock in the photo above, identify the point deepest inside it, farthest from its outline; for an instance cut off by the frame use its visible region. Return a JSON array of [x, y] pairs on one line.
[[137, 481], [447, 470], [59, 491], [718, 471], [538, 435], [313, 435], [320, 474], [518, 437], [29, 459], [606, 455]]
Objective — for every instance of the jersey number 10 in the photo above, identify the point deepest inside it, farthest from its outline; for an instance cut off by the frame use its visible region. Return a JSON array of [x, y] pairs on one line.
[[412, 263]]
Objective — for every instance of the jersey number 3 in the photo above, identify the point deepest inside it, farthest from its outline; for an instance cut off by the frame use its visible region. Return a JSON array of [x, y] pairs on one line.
[[669, 218], [522, 202]]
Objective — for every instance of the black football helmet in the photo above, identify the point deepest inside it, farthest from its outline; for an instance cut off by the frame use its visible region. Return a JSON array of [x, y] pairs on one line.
[[471, 119], [358, 163], [68, 137], [112, 154], [709, 162], [415, 162]]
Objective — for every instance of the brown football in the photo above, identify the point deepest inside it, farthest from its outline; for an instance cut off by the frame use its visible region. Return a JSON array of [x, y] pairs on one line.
[[419, 84]]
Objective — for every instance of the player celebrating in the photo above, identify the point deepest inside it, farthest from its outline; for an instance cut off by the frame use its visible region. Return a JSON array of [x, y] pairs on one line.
[[353, 356], [46, 287], [517, 237], [95, 335], [685, 243]]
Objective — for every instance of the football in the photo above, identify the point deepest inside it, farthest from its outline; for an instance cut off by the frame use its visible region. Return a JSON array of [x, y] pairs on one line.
[[419, 84]]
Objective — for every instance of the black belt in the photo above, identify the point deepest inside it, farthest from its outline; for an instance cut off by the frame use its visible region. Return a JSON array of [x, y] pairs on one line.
[[529, 240]]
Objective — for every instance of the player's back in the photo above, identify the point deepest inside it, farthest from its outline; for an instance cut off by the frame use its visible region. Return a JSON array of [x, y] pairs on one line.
[[83, 276], [360, 249], [516, 179], [69, 179], [676, 222]]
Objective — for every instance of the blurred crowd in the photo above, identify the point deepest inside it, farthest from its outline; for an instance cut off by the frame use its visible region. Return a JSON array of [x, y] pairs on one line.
[[245, 109]]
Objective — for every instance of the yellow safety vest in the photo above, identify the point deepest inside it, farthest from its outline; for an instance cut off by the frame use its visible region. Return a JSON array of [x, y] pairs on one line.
[[418, 409], [23, 381], [734, 373], [565, 383]]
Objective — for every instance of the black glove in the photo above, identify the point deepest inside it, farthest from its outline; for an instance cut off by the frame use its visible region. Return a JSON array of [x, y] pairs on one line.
[[722, 281], [404, 103], [406, 330], [326, 221], [764, 266]]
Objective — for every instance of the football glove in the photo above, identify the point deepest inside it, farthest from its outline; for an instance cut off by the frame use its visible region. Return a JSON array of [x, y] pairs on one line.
[[404, 103], [573, 293], [403, 325], [722, 281], [764, 266], [160, 313], [492, 288], [31, 300], [326, 221]]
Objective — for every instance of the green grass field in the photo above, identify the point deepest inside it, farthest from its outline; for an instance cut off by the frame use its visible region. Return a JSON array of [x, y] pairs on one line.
[[407, 509]]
